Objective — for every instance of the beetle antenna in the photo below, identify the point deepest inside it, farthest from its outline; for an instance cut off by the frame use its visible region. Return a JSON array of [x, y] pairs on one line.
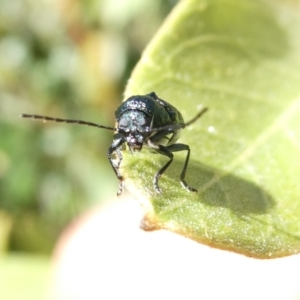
[[45, 118], [178, 126], [200, 113]]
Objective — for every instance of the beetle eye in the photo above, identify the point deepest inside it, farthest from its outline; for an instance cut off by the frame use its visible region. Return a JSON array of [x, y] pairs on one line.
[[124, 124]]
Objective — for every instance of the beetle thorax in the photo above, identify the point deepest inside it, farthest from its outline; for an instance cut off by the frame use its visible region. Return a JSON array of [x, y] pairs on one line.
[[133, 126]]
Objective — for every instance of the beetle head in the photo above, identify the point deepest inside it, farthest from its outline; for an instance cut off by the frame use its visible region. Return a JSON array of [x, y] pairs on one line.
[[133, 125]]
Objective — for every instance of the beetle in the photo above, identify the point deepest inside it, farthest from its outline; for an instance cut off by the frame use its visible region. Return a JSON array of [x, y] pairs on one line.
[[143, 120]]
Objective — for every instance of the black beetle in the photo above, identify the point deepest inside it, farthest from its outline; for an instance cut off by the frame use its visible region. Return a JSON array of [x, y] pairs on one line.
[[143, 120]]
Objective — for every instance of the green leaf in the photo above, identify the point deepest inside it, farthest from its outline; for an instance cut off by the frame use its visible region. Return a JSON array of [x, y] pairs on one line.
[[241, 60]]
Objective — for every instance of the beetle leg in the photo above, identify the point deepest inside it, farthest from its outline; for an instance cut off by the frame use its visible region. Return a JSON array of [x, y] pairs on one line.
[[120, 157], [164, 151], [181, 147], [118, 141]]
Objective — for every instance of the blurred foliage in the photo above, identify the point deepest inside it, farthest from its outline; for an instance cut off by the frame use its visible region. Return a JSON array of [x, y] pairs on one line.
[[24, 276], [70, 59]]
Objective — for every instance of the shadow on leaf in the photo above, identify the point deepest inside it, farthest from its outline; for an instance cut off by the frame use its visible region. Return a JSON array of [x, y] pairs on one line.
[[217, 188]]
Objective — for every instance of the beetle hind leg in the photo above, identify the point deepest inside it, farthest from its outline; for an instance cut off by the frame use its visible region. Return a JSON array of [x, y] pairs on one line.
[[182, 147], [166, 152]]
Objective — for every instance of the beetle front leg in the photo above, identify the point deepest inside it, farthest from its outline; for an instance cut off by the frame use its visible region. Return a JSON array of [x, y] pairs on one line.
[[115, 147]]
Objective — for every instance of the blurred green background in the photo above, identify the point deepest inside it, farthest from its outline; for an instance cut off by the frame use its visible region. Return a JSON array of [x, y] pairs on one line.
[[69, 59]]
